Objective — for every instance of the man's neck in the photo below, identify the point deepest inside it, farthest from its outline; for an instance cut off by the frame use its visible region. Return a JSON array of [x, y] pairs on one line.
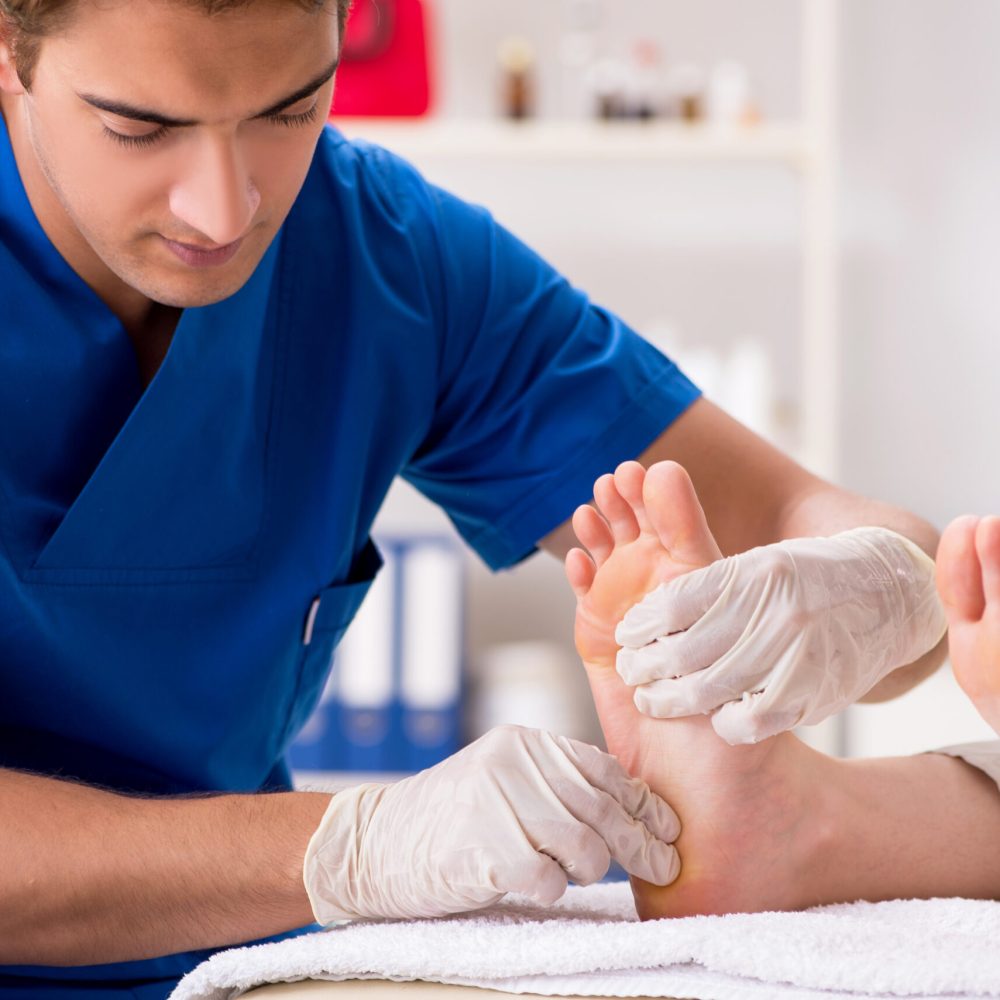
[[151, 341]]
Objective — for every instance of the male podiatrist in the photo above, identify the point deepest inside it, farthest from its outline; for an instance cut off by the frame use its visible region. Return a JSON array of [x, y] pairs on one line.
[[224, 331]]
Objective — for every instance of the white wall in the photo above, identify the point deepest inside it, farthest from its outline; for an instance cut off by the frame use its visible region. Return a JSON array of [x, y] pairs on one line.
[[921, 223], [921, 204], [712, 253]]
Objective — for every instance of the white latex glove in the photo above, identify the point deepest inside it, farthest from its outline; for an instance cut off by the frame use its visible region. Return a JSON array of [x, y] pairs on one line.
[[519, 810], [782, 635]]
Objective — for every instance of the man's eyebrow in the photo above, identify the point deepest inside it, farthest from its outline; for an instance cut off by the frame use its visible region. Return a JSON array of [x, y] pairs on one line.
[[124, 110]]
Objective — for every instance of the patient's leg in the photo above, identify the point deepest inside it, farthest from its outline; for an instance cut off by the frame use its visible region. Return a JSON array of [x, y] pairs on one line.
[[968, 576], [776, 825]]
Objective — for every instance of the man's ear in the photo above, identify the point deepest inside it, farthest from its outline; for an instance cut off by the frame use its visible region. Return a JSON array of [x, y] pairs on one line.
[[10, 82]]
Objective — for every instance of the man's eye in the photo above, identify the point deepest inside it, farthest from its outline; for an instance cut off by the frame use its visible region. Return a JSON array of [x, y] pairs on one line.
[[302, 118], [134, 141], [140, 141]]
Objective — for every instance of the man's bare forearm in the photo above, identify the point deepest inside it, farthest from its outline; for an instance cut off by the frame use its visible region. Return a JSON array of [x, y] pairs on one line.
[[822, 509], [91, 876], [754, 495]]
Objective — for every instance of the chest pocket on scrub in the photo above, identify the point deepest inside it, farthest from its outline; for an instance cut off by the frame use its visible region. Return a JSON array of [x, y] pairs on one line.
[[329, 614]]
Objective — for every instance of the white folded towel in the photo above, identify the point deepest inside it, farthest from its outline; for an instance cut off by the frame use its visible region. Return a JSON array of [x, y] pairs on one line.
[[592, 944]]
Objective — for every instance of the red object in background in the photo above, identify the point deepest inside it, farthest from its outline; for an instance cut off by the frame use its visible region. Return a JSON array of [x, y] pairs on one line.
[[385, 65]]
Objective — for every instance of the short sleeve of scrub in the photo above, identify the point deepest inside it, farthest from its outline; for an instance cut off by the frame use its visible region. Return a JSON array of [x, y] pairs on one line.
[[539, 391]]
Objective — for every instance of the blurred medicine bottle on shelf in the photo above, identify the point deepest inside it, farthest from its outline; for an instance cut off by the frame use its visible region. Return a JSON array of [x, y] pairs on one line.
[[727, 97], [607, 80], [643, 97], [516, 60], [686, 84]]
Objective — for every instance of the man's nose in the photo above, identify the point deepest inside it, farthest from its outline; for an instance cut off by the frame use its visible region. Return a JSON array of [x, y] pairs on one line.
[[216, 196]]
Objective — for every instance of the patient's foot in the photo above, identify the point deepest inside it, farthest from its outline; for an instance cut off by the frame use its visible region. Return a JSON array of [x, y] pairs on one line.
[[968, 578], [751, 833]]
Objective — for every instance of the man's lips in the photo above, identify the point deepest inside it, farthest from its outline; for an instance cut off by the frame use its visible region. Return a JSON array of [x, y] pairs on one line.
[[195, 256]]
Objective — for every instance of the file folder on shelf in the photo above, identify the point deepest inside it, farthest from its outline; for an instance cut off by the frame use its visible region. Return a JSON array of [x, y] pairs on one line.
[[364, 678], [430, 654], [393, 698]]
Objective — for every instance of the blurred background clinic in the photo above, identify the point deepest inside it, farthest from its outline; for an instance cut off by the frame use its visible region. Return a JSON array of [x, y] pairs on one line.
[[797, 200]]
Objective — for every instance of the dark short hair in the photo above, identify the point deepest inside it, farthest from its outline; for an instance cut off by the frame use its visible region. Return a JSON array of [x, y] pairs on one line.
[[24, 23]]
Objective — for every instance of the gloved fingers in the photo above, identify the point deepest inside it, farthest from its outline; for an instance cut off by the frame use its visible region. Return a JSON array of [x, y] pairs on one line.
[[538, 877], [677, 697], [652, 860], [681, 653], [643, 855], [627, 840], [580, 851], [633, 796], [673, 606], [752, 719]]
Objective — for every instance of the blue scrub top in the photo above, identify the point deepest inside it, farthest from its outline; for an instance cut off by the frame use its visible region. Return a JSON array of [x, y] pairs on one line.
[[160, 548]]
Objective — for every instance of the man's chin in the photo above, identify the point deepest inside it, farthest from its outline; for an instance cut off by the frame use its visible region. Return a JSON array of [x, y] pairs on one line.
[[194, 292], [155, 273], [192, 301]]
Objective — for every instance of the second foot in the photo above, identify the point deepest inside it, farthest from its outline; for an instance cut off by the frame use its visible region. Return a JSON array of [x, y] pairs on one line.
[[968, 578]]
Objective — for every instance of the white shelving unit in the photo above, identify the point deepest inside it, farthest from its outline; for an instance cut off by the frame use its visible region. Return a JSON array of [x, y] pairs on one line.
[[566, 141], [807, 147]]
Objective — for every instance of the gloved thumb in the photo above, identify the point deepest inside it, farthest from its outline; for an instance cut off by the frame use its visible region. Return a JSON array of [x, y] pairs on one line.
[[673, 606], [751, 720], [541, 879]]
